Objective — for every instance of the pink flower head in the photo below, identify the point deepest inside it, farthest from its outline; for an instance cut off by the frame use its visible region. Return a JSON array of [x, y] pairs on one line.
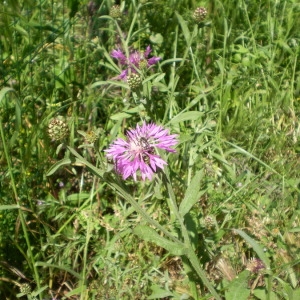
[[137, 151], [136, 60]]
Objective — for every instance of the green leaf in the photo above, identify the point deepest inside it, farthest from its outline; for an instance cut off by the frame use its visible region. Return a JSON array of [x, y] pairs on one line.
[[13, 206], [120, 116], [149, 234], [4, 91], [256, 247], [157, 38], [192, 194], [296, 293], [171, 61], [39, 291], [46, 265], [57, 165], [262, 295], [80, 160], [238, 288], [186, 116], [159, 293], [78, 291], [296, 229], [78, 197], [184, 27], [115, 83]]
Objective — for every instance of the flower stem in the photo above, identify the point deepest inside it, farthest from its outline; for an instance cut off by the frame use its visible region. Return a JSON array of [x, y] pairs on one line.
[[193, 259]]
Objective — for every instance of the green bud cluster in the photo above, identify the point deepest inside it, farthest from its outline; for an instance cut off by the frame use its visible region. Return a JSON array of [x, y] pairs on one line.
[[115, 12], [143, 64], [91, 136], [134, 81], [25, 288], [57, 129], [199, 14]]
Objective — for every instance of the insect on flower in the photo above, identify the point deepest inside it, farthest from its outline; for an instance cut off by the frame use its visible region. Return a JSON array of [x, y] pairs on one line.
[[136, 153]]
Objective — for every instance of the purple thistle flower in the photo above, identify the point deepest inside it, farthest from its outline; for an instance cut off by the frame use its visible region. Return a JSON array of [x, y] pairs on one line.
[[137, 151], [136, 61]]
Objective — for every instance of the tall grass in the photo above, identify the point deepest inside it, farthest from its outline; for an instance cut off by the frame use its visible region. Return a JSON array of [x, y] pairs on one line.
[[222, 219]]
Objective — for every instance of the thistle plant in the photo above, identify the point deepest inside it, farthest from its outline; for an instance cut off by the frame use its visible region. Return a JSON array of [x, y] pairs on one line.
[[136, 156]]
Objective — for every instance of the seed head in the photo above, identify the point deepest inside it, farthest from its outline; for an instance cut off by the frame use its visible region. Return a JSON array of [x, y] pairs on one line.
[[57, 129], [199, 14]]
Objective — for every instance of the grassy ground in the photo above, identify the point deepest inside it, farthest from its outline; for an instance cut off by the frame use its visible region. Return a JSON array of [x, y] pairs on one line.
[[222, 221]]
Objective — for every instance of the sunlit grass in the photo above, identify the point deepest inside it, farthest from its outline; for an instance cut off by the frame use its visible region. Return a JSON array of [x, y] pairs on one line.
[[223, 217]]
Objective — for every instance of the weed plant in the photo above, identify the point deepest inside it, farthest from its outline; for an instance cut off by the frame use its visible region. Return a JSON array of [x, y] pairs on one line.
[[221, 220]]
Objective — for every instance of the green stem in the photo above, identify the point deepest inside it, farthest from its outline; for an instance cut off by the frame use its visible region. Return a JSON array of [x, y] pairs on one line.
[[138, 209], [187, 242], [122, 192]]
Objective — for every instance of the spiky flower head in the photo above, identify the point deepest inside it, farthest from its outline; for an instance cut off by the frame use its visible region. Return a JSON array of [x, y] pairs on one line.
[[137, 152], [115, 12], [57, 129], [255, 265], [137, 60], [134, 81], [200, 14]]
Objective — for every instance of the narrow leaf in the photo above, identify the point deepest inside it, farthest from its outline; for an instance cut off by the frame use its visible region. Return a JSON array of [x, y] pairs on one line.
[[46, 265], [57, 165], [4, 91], [148, 234], [184, 27], [192, 194], [13, 206], [120, 116], [79, 159], [256, 247], [186, 116], [39, 291], [115, 83], [78, 291]]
